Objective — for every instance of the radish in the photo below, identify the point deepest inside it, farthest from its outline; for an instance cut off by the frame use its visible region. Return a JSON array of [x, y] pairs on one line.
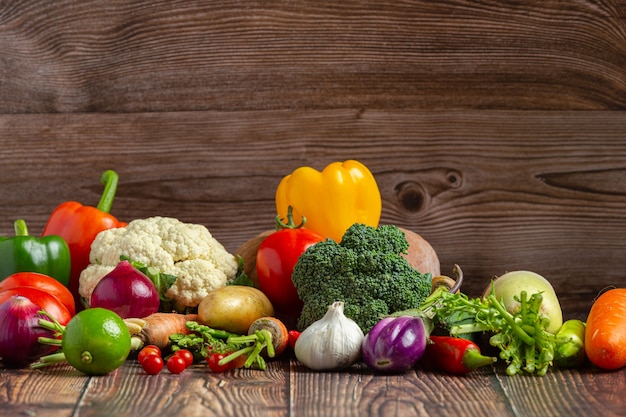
[[508, 287]]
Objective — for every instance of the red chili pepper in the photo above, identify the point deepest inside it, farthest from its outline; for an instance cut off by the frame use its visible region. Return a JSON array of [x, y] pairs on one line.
[[79, 225], [454, 354]]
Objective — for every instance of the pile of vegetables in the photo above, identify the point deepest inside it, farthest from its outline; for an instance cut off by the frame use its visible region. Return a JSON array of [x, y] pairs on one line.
[[328, 283]]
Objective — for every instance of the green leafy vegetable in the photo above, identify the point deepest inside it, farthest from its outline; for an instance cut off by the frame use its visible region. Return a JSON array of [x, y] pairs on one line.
[[366, 270], [204, 341], [522, 338], [241, 278]]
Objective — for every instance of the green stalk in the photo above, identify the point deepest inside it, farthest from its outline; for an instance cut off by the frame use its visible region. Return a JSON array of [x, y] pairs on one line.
[[280, 225], [519, 332], [468, 328], [267, 341], [235, 355], [20, 228], [109, 179], [48, 360]]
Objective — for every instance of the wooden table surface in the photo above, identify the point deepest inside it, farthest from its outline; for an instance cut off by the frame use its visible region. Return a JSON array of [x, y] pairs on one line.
[[285, 388], [496, 130]]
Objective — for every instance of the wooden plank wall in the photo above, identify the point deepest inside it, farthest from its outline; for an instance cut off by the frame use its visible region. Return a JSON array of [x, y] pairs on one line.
[[495, 129]]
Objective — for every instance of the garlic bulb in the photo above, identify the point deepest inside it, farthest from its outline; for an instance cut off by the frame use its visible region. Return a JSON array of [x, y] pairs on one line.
[[332, 342]]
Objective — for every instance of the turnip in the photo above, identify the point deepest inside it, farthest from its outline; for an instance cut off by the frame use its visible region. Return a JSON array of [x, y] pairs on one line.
[[508, 287]]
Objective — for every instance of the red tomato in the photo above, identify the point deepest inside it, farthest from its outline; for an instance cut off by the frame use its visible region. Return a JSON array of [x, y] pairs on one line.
[[293, 338], [47, 302], [186, 355], [152, 364], [176, 364], [275, 259], [148, 350], [213, 363], [43, 282]]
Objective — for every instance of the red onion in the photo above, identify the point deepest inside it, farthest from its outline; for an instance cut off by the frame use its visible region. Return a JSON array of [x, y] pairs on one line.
[[394, 344], [126, 291], [19, 332]]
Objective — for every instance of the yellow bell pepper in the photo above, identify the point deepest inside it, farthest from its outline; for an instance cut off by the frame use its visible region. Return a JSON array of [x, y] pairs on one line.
[[332, 200]]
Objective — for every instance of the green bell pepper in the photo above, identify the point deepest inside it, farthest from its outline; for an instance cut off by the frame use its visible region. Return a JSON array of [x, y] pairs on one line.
[[49, 255]]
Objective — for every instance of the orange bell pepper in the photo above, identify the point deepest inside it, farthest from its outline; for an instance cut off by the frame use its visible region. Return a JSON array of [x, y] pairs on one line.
[[332, 200], [79, 225]]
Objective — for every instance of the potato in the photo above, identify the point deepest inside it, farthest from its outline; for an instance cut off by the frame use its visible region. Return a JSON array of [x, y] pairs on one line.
[[233, 308], [421, 254], [511, 285]]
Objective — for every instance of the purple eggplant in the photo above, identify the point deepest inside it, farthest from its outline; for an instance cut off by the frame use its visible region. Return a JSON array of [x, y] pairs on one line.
[[395, 344]]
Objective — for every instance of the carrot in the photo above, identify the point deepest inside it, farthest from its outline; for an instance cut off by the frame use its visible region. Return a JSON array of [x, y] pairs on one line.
[[157, 328], [278, 330], [267, 336], [605, 335]]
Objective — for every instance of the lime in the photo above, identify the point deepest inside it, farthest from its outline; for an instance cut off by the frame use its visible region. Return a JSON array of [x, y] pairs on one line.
[[96, 341]]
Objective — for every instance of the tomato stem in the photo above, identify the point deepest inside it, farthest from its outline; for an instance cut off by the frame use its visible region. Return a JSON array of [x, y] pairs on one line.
[[290, 223]]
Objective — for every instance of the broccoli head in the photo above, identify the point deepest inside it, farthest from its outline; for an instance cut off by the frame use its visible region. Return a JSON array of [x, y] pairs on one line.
[[366, 270]]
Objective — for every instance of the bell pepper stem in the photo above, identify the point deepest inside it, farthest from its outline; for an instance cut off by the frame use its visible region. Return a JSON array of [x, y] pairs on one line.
[[109, 179], [20, 228], [473, 359]]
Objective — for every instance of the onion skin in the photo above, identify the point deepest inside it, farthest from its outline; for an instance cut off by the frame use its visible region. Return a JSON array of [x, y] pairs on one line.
[[19, 332], [126, 291], [394, 344]]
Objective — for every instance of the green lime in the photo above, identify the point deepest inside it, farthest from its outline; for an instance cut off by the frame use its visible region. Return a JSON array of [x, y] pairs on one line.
[[96, 341]]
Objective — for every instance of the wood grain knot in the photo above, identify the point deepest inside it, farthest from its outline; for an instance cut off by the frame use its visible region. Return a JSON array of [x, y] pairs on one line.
[[415, 194], [411, 195]]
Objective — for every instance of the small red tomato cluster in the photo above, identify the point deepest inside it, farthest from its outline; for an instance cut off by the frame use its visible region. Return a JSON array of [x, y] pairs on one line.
[[151, 361]]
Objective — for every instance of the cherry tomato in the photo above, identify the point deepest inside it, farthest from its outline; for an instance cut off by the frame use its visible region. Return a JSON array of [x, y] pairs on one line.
[[293, 337], [186, 355], [176, 364], [148, 350], [152, 364], [275, 259], [42, 282], [213, 363], [47, 302], [238, 362]]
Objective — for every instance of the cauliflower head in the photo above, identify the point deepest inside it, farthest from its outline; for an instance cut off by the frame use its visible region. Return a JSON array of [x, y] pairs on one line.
[[185, 250]]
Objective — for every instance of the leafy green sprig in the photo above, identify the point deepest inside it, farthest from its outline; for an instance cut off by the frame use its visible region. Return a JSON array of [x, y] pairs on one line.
[[203, 341], [521, 337]]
